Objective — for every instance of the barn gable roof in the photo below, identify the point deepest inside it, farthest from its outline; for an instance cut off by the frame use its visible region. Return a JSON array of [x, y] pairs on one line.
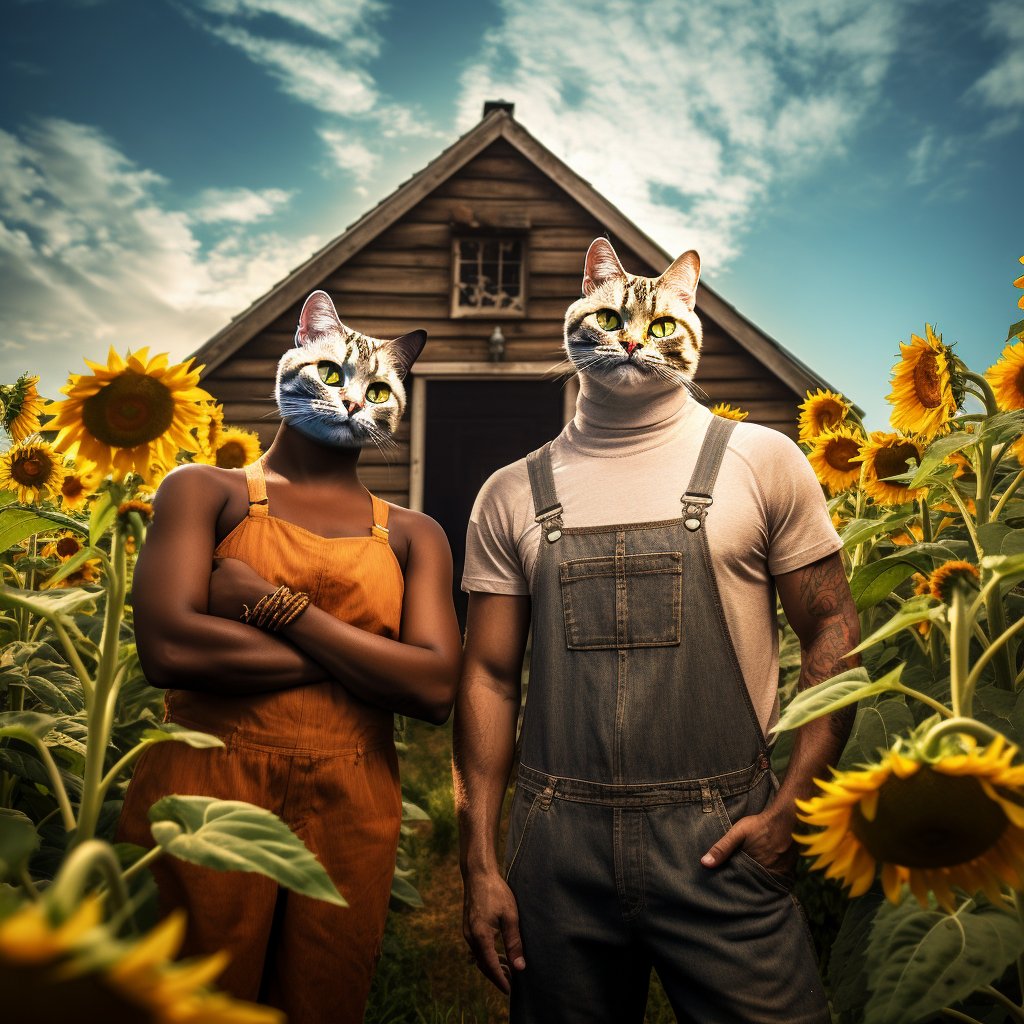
[[498, 124]]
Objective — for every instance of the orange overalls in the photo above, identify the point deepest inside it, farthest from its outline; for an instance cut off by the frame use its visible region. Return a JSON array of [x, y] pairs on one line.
[[319, 758]]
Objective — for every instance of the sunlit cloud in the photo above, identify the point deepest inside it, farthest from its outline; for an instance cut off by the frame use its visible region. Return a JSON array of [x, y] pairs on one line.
[[1002, 86], [713, 106], [92, 253]]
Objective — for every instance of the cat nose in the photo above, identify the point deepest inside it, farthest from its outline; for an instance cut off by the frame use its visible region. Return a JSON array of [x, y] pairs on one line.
[[631, 346], [351, 406]]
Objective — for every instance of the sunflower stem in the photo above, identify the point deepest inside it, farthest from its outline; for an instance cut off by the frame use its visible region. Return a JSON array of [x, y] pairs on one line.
[[143, 862], [968, 519], [71, 653], [100, 710], [909, 691], [1015, 1012], [926, 520], [990, 653], [987, 394], [1006, 496], [56, 783], [959, 645], [952, 1014], [92, 857], [957, 725]]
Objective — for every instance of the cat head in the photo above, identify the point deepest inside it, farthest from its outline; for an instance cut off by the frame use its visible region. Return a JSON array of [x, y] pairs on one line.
[[629, 329], [340, 387]]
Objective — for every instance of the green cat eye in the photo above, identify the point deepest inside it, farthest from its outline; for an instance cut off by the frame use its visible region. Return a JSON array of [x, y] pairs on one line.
[[330, 373], [378, 393], [608, 320], [663, 327]]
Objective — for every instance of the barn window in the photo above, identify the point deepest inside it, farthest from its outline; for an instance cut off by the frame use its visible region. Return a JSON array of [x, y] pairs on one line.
[[489, 276]]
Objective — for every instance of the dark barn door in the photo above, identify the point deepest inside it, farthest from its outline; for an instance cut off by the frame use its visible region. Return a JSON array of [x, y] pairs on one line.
[[474, 427]]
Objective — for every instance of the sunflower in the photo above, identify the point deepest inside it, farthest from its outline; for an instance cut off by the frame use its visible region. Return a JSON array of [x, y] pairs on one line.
[[948, 505], [886, 455], [66, 545], [913, 533], [952, 822], [234, 449], [964, 467], [726, 411], [80, 481], [20, 406], [922, 393], [44, 964], [130, 413], [213, 422], [952, 574], [822, 409], [1006, 377], [33, 469], [831, 457], [1019, 283]]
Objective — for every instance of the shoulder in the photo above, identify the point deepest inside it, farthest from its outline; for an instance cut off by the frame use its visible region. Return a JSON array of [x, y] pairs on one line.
[[503, 491], [196, 482], [418, 527], [769, 454]]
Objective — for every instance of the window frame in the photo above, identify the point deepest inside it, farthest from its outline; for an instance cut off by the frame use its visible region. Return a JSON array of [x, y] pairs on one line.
[[484, 313]]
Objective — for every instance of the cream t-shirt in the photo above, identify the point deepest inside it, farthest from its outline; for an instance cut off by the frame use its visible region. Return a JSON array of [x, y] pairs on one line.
[[625, 465]]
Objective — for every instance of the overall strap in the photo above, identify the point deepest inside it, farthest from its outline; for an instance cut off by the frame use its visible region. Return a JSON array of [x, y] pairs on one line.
[[257, 484], [697, 498], [380, 518], [545, 499]]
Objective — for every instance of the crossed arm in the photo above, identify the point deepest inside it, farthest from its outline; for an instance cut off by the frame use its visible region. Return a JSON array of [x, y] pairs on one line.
[[188, 635]]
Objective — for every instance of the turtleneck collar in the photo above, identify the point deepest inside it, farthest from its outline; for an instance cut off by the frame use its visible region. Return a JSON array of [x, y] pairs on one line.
[[615, 423]]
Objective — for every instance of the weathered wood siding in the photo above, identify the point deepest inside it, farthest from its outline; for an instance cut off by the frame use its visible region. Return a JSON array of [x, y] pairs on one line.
[[402, 281]]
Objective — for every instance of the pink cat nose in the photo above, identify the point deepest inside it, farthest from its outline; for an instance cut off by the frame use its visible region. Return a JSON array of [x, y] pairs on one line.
[[350, 406], [630, 346]]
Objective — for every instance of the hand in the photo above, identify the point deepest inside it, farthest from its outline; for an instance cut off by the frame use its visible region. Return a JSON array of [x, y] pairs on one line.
[[766, 837], [488, 907], [234, 583]]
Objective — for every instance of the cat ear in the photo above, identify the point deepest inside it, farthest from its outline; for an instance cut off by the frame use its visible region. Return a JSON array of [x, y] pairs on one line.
[[600, 265], [406, 349], [682, 277], [318, 317]]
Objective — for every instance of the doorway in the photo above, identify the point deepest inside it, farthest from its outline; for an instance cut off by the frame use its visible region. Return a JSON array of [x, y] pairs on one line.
[[472, 428]]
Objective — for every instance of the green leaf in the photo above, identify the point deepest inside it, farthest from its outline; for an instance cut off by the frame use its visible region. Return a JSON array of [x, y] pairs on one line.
[[229, 835], [1016, 330], [104, 511], [403, 891], [917, 609], [937, 453], [18, 841], [875, 729], [919, 961], [990, 537], [846, 688], [846, 976], [875, 581], [411, 812], [49, 603], [1006, 566], [65, 569], [173, 731], [20, 521], [859, 530], [1004, 426], [28, 726]]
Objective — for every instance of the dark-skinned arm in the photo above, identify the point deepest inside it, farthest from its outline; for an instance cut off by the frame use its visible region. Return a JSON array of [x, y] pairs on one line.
[[179, 643], [817, 601], [486, 712], [415, 675]]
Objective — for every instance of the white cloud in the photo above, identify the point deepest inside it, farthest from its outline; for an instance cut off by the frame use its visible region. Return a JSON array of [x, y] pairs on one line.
[[349, 153], [238, 205], [929, 159], [713, 104], [1002, 86], [90, 255]]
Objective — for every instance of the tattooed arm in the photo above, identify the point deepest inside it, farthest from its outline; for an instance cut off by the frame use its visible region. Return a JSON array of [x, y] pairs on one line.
[[817, 601]]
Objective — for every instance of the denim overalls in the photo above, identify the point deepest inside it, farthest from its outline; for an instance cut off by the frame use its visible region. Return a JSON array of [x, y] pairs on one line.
[[639, 748]]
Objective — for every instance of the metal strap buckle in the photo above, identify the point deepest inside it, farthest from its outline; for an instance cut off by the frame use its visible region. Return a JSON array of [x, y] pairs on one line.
[[550, 520], [695, 508]]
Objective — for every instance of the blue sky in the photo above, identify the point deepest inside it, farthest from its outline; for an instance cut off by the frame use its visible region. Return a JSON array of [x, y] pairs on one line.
[[848, 169]]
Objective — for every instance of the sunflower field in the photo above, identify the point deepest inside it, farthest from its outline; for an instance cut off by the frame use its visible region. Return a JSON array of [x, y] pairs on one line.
[[914, 871]]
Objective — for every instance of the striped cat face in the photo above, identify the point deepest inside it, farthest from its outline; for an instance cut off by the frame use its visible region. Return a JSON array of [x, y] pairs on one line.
[[340, 387], [629, 328]]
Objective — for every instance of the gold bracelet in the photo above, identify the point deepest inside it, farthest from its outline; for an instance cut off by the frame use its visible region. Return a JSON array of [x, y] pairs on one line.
[[274, 611]]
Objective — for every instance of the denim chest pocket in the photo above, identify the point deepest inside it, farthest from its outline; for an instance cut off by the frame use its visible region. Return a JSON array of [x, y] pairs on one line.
[[622, 601]]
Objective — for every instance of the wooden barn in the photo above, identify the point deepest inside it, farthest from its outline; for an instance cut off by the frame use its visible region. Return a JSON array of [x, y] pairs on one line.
[[483, 249]]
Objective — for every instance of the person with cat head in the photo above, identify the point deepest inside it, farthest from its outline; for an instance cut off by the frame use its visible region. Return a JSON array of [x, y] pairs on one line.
[[642, 550], [292, 613]]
